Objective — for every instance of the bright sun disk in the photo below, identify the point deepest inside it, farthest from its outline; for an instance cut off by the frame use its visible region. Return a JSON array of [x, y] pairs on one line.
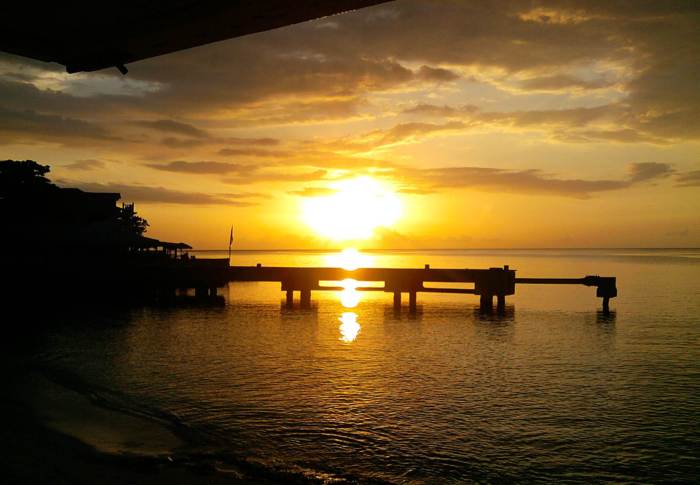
[[354, 211]]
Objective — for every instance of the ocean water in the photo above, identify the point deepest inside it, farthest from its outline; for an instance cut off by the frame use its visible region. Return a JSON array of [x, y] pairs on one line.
[[553, 390]]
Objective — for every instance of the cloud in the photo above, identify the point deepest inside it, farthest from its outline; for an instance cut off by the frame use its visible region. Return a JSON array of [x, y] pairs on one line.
[[559, 82], [251, 141], [445, 111], [689, 179], [405, 131], [398, 134], [253, 152], [172, 126], [174, 142], [625, 135], [145, 194], [436, 74], [312, 191], [528, 181], [203, 167], [84, 165], [572, 125], [648, 170], [28, 126], [623, 73], [275, 176]]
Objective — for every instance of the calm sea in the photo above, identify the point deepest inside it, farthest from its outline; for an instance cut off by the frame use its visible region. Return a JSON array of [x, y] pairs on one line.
[[553, 390]]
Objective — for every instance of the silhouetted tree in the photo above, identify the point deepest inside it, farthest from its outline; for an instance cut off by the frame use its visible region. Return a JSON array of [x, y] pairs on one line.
[[130, 221], [26, 194], [23, 178]]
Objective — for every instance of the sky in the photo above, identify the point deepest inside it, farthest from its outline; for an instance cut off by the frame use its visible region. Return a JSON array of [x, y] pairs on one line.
[[415, 124]]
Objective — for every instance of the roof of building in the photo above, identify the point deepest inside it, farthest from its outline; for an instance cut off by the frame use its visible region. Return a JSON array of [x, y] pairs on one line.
[[87, 36]]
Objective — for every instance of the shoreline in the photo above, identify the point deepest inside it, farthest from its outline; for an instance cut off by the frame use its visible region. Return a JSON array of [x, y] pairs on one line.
[[52, 434]]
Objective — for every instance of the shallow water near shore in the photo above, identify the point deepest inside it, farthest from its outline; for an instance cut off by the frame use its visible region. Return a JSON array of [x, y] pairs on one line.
[[551, 390]]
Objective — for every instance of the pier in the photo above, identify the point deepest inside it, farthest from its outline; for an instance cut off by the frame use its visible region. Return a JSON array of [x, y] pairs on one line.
[[488, 284]]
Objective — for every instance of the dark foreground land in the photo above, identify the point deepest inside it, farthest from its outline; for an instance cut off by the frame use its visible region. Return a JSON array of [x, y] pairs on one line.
[[52, 434], [34, 453]]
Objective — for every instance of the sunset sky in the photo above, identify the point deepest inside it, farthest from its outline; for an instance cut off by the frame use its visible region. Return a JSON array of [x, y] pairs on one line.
[[453, 124]]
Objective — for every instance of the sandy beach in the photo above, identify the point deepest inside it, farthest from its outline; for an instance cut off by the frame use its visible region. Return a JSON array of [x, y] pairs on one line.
[[51, 434]]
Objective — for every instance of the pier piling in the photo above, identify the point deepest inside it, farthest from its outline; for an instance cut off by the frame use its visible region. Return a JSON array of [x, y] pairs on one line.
[[305, 298], [501, 302], [486, 302], [412, 301]]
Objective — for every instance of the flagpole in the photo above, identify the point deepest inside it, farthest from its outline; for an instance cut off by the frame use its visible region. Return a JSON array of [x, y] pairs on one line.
[[230, 241]]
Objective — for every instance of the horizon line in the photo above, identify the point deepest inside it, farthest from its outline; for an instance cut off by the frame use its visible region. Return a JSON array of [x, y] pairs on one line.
[[460, 249]]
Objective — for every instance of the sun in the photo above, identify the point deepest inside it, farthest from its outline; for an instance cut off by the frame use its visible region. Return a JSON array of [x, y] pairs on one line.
[[355, 209]]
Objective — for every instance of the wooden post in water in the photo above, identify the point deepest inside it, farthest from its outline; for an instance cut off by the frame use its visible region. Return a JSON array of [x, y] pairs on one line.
[[606, 289], [501, 303], [412, 300], [290, 299], [397, 300], [486, 302], [305, 298]]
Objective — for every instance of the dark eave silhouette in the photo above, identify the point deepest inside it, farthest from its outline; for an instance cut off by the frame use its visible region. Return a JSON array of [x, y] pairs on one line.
[[87, 36]]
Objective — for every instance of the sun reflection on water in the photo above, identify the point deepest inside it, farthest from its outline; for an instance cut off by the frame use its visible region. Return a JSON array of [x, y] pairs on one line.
[[349, 296], [349, 259], [349, 328]]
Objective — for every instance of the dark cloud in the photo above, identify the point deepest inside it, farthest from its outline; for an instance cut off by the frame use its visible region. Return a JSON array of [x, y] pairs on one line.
[[29, 126], [251, 141], [86, 165], [203, 167], [246, 143], [174, 142], [245, 71], [253, 152], [308, 72], [689, 179], [648, 170], [172, 126], [437, 74], [441, 111], [145, 194]]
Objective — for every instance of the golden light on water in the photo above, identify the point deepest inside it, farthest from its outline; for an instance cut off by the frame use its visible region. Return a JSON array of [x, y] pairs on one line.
[[349, 296], [349, 328], [355, 209], [349, 259]]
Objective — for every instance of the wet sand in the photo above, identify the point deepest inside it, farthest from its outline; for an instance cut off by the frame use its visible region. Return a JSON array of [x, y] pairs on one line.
[[51, 434]]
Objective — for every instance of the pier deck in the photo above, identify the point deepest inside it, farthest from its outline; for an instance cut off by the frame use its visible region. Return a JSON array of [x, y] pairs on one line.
[[488, 283]]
